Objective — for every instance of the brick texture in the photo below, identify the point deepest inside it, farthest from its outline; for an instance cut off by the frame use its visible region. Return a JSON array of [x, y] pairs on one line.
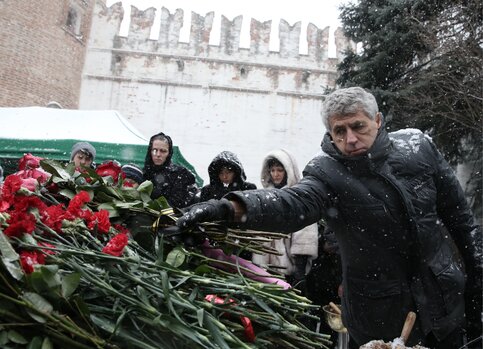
[[41, 57]]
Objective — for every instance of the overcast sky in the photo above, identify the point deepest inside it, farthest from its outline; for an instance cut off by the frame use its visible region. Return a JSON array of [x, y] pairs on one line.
[[322, 13]]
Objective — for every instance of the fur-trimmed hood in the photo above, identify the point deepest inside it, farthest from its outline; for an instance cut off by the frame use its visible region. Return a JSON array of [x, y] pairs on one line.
[[288, 162]]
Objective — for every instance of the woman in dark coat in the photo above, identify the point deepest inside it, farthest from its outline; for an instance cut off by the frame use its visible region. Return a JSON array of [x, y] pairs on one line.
[[226, 175], [176, 183]]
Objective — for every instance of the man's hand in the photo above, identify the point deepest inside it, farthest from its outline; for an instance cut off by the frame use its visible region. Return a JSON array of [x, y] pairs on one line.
[[209, 211]]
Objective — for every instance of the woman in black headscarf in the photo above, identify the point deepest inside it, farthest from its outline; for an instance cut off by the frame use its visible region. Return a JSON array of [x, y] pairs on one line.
[[176, 183]]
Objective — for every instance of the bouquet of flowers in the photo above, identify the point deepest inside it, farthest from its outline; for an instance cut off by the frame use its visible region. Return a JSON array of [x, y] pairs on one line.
[[87, 262]]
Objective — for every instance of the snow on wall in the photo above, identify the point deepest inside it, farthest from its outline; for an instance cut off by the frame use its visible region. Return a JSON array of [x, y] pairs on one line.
[[212, 98]]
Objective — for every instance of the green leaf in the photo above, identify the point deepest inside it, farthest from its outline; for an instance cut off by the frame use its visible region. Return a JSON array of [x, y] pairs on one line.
[[176, 257], [143, 295], [159, 248], [146, 187], [216, 333], [128, 205], [110, 208], [81, 305], [29, 239], [113, 191], [70, 283], [110, 327], [103, 197], [35, 343], [47, 344], [3, 338], [36, 280], [10, 258], [194, 294], [69, 194], [182, 281], [55, 168], [130, 194], [146, 198], [50, 276], [40, 304], [165, 284], [159, 204], [202, 269], [16, 337], [200, 313]]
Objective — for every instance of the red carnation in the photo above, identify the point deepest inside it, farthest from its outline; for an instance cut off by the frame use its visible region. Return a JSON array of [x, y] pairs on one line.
[[28, 161], [248, 329], [23, 203], [115, 247], [20, 222], [4, 205], [121, 229], [77, 202], [101, 219], [10, 186], [29, 183], [53, 216], [28, 259], [246, 322], [110, 168], [36, 173]]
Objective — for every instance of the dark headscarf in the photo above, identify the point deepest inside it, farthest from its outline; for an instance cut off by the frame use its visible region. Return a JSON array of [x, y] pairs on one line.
[[150, 169]]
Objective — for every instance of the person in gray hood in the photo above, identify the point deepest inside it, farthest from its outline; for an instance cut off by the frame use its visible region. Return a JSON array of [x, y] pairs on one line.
[[394, 205]]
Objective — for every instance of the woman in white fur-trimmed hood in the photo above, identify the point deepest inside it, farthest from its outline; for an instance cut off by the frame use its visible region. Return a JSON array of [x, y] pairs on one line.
[[279, 169]]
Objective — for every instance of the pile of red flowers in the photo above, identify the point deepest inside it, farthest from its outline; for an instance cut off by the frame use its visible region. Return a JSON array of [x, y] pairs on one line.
[[25, 210], [72, 270]]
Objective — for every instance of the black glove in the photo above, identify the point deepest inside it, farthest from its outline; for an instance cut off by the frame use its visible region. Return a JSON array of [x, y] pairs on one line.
[[209, 211]]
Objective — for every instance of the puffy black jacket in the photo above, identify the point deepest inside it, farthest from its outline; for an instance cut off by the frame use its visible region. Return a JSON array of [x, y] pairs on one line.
[[389, 209], [216, 189], [176, 183]]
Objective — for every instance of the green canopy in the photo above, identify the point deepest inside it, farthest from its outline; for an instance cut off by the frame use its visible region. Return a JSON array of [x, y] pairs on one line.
[[50, 133]]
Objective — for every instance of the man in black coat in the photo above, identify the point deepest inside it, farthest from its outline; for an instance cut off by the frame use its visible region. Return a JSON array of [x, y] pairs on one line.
[[391, 200]]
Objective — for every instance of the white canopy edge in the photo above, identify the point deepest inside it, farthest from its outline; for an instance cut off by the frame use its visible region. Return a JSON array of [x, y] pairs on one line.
[[107, 126]]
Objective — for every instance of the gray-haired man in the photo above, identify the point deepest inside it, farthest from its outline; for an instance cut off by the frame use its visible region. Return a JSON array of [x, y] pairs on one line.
[[390, 199]]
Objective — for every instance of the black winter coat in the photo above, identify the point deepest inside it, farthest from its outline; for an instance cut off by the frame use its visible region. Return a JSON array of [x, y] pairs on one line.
[[387, 209], [216, 189], [176, 183]]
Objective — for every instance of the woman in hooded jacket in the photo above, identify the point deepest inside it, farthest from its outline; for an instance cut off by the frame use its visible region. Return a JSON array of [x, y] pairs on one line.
[[176, 183], [226, 175], [279, 170]]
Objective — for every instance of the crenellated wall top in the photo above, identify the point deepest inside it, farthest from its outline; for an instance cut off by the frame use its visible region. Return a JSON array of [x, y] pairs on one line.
[[168, 41]]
